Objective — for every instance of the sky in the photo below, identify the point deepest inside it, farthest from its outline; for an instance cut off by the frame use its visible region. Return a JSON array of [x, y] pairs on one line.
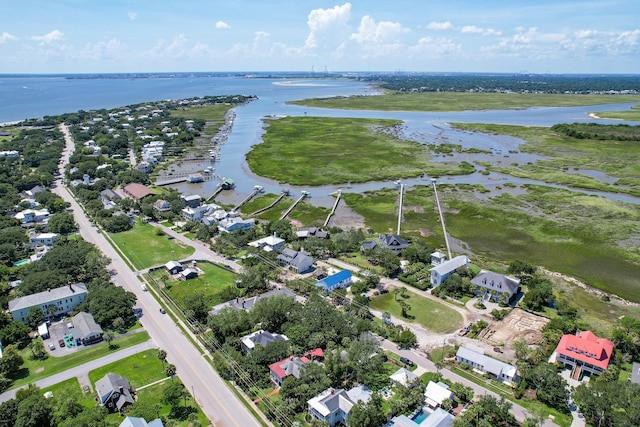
[[134, 36]]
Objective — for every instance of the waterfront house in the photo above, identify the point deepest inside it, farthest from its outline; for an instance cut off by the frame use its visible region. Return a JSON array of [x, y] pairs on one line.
[[394, 243], [438, 258], [229, 225], [192, 200], [494, 286], [584, 353], [440, 273], [268, 244], [137, 191]]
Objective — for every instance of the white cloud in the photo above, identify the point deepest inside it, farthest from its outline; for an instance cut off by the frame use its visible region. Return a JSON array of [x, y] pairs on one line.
[[54, 35], [132, 15], [221, 25], [441, 26], [327, 26], [370, 32], [428, 47], [107, 50], [472, 29], [6, 37]]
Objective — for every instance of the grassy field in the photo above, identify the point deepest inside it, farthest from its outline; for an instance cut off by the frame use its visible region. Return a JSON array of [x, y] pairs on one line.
[[209, 284], [141, 369], [318, 151], [212, 114], [632, 115], [145, 248], [461, 101], [432, 315], [559, 229], [34, 370]]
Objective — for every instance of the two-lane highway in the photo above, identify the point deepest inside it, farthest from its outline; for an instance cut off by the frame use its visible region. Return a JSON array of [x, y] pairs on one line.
[[216, 399]]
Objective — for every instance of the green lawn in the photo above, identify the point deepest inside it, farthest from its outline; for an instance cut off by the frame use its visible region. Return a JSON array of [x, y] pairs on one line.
[[461, 101], [153, 394], [145, 248], [212, 114], [327, 150], [632, 115], [34, 370], [141, 369], [209, 284], [432, 315]]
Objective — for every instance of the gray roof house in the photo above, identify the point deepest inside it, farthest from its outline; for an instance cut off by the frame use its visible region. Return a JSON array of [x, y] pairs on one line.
[[333, 406], [394, 243], [494, 285], [247, 304], [440, 273], [297, 261], [476, 358], [263, 338], [173, 267], [86, 329], [114, 392], [66, 298]]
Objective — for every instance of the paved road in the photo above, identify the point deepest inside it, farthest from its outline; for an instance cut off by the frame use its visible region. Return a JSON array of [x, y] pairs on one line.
[[213, 395], [83, 369]]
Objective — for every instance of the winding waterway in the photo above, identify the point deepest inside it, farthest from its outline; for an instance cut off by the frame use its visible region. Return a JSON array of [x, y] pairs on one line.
[[36, 96]]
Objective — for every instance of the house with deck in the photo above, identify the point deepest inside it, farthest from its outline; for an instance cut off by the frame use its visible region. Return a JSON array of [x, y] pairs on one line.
[[440, 272], [495, 286], [296, 261], [584, 353], [333, 405]]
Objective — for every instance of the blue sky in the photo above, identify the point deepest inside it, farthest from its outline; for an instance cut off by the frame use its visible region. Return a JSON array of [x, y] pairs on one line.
[[82, 36]]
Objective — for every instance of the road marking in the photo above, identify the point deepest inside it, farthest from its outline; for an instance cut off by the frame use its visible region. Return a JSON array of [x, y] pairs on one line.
[[224, 408]]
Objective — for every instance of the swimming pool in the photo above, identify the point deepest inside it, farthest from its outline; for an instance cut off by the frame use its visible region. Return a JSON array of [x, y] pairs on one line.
[[21, 262], [422, 415]]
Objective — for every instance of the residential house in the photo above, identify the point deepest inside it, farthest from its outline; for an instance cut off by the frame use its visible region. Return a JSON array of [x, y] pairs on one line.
[[173, 267], [195, 177], [161, 205], [114, 392], [403, 376], [436, 393], [144, 167], [394, 243], [35, 190], [108, 195], [584, 353], [188, 274], [140, 422], [262, 338], [334, 405], [43, 239], [192, 201], [297, 261], [65, 298], [137, 191], [438, 258], [307, 232], [495, 286], [368, 245], [195, 214], [215, 217], [247, 304], [86, 329], [438, 418], [293, 366], [28, 216], [342, 279], [440, 272], [229, 225], [268, 244], [497, 369]]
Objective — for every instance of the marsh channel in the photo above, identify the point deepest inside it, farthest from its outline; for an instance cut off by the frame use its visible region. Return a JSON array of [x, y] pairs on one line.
[[424, 127]]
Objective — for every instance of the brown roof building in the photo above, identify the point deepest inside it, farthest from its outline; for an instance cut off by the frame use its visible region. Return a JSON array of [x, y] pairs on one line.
[[137, 191]]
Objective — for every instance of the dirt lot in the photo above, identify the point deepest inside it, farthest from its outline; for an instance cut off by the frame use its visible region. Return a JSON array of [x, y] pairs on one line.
[[517, 324]]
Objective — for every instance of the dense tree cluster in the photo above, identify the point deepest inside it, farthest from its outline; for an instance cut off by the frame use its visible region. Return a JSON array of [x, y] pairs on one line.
[[597, 131]]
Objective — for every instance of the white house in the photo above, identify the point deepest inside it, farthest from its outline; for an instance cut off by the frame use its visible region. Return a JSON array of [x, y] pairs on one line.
[[262, 338], [403, 376], [436, 393], [32, 215], [334, 405], [65, 298], [268, 244], [440, 272], [229, 225], [484, 364], [43, 239]]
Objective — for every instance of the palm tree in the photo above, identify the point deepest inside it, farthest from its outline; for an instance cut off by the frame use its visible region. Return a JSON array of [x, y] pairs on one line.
[[170, 370], [162, 355]]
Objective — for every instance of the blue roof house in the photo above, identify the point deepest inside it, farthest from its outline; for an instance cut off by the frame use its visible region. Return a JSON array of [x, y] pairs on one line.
[[339, 280]]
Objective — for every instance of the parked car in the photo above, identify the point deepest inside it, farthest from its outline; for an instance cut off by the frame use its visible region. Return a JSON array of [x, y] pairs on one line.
[[52, 346], [61, 343], [162, 310], [406, 361], [497, 349]]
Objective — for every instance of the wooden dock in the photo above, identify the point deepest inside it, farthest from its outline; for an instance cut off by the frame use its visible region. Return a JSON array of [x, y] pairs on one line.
[[257, 189], [275, 202], [333, 211], [302, 196]]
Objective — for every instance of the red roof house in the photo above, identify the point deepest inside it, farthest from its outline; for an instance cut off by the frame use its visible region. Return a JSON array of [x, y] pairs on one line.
[[584, 352], [292, 366]]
